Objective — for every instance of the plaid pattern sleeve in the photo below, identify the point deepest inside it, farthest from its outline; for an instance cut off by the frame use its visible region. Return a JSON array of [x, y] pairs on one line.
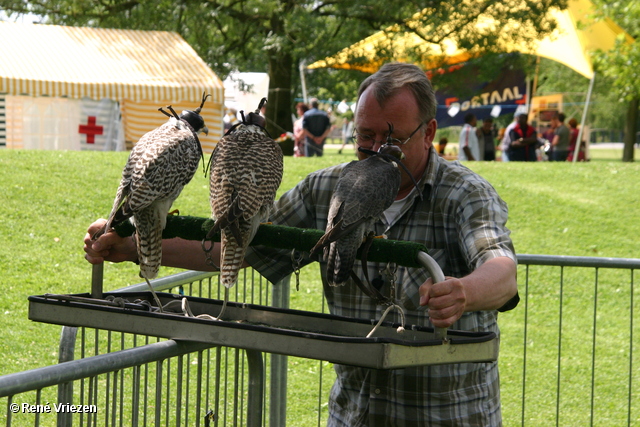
[[304, 206], [462, 221]]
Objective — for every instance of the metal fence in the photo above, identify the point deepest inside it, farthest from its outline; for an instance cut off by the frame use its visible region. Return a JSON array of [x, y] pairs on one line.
[[567, 353], [111, 378], [567, 358]]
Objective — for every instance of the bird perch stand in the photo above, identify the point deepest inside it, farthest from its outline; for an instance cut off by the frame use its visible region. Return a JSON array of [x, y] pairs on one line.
[[283, 331]]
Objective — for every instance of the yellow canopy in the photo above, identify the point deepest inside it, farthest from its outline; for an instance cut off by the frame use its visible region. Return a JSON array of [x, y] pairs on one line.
[[101, 63], [570, 44]]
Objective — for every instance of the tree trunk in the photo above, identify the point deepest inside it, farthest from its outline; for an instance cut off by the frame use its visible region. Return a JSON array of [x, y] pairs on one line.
[[630, 130], [279, 106]]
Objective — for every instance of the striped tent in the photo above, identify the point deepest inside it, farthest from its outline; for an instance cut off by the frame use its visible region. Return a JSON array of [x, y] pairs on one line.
[[139, 70]]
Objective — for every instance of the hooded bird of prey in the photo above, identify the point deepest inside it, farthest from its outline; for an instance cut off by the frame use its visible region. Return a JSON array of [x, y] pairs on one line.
[[365, 189], [246, 172], [162, 162]]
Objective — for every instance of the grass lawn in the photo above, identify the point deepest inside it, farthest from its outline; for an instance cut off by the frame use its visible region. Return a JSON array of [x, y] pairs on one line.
[[50, 197]]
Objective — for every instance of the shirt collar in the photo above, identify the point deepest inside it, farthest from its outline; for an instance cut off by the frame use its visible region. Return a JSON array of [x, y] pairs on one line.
[[425, 184], [428, 180]]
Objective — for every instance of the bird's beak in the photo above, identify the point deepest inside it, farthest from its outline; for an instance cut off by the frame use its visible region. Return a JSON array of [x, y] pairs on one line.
[[205, 130]]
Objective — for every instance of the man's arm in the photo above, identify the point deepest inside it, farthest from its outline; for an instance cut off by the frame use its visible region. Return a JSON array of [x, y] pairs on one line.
[[315, 139], [324, 135], [187, 254], [516, 141], [489, 287]]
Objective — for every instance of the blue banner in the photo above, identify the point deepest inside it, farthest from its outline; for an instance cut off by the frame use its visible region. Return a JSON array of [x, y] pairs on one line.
[[488, 99]]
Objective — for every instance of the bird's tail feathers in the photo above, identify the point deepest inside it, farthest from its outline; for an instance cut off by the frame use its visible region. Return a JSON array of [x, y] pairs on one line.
[[149, 244], [339, 265], [341, 258], [231, 259]]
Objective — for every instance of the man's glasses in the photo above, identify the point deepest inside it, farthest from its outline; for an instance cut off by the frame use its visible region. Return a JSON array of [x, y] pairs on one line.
[[367, 141]]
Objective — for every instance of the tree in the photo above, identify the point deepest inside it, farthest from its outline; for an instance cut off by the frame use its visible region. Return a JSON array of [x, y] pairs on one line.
[[605, 109], [621, 64], [275, 35]]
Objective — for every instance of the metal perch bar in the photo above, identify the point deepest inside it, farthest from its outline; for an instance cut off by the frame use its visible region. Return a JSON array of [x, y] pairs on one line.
[[403, 253]]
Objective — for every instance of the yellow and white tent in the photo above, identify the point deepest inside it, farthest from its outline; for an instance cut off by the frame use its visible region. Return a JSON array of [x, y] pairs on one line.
[[59, 82], [576, 36]]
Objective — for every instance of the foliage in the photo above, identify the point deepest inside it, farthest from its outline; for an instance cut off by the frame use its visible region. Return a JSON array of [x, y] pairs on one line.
[[605, 109], [274, 36], [621, 64]]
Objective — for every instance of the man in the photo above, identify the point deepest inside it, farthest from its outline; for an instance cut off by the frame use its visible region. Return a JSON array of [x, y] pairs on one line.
[[316, 125], [522, 141], [469, 148], [487, 139], [561, 138], [506, 138], [455, 213]]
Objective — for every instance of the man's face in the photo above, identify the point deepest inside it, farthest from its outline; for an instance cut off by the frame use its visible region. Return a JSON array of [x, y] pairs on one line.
[[401, 110], [522, 119], [487, 126]]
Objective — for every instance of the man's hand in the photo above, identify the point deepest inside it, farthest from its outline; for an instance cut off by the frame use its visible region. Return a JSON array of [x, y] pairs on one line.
[[446, 301], [108, 247]]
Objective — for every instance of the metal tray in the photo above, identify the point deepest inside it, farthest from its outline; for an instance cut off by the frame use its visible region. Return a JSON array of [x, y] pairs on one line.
[[283, 331]]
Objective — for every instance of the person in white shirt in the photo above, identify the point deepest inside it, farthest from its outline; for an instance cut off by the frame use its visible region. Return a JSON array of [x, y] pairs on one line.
[[469, 148], [506, 140]]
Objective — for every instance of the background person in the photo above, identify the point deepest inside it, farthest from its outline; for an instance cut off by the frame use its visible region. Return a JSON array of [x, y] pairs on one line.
[[522, 141], [442, 145], [469, 146], [298, 131], [487, 138], [574, 133], [316, 125], [347, 129], [506, 138], [230, 119], [561, 137]]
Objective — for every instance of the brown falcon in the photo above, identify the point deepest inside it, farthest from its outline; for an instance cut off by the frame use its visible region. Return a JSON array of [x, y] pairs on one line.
[[365, 189], [246, 172], [159, 166]]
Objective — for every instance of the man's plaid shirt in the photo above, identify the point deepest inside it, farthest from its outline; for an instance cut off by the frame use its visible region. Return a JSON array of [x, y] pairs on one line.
[[461, 220]]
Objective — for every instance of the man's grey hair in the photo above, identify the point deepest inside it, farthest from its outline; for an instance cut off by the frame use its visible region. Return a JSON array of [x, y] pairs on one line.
[[392, 77]]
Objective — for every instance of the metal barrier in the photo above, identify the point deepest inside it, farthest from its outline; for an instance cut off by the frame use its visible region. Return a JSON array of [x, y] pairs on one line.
[[567, 358], [135, 380], [567, 353]]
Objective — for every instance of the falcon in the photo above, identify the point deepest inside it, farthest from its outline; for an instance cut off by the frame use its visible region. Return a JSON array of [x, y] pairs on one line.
[[365, 189], [246, 172], [162, 162]]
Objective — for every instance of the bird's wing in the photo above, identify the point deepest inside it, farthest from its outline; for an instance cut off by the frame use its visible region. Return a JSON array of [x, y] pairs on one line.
[[246, 172], [364, 190], [245, 176], [168, 161]]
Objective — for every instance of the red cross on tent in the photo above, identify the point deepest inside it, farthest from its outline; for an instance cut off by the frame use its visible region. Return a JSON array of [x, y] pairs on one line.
[[91, 129]]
